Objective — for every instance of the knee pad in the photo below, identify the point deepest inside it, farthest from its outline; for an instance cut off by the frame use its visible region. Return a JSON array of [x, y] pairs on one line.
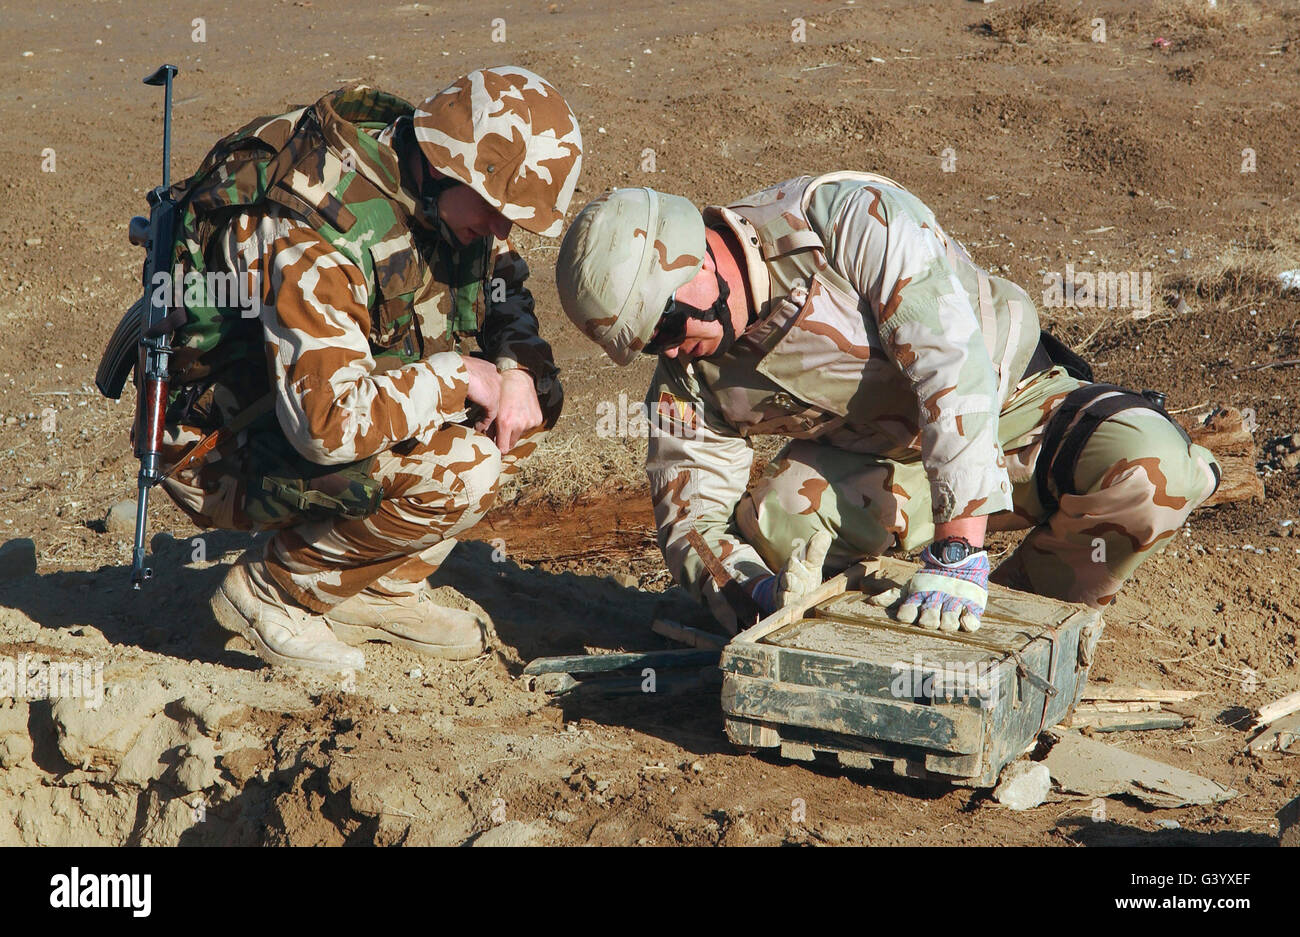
[[1072, 427]]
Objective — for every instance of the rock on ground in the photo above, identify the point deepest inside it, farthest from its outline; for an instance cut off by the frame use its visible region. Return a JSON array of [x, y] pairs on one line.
[[1288, 824], [1024, 785], [511, 833], [121, 519]]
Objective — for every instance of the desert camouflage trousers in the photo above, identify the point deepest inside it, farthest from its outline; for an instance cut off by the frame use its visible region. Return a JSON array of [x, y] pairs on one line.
[[1135, 482], [432, 492]]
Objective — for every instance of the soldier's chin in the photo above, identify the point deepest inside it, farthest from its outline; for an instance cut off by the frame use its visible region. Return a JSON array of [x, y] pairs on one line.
[[723, 346]]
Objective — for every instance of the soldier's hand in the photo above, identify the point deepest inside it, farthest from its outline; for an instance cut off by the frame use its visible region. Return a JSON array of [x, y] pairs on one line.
[[801, 574], [943, 596], [484, 389], [519, 410]]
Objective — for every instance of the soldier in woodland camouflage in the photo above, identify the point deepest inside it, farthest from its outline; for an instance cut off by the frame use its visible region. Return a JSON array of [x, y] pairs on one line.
[[922, 406], [339, 406]]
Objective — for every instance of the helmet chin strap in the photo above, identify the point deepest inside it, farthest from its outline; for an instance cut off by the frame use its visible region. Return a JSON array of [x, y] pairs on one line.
[[718, 312], [431, 187], [431, 190]]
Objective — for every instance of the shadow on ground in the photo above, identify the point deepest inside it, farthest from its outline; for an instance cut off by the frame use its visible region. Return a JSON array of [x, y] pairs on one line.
[[167, 615], [1087, 833]]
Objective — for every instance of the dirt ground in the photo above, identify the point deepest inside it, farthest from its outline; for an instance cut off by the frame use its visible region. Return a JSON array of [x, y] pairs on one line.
[[1125, 154]]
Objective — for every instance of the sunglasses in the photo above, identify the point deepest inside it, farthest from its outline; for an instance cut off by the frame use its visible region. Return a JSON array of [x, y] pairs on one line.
[[672, 323], [670, 331]]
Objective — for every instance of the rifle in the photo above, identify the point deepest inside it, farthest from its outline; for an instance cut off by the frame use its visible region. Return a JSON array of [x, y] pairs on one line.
[[142, 339]]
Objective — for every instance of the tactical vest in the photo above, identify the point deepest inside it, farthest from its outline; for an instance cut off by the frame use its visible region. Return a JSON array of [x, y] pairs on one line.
[[308, 162], [818, 381]]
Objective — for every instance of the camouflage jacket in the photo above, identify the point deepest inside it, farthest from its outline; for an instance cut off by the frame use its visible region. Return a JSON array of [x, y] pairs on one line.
[[871, 331], [354, 321]]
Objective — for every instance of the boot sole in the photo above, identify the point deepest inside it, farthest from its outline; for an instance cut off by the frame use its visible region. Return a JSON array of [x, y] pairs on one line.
[[231, 619], [360, 634]]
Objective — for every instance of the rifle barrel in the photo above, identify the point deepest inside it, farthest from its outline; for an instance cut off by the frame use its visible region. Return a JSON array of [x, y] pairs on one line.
[[139, 572]]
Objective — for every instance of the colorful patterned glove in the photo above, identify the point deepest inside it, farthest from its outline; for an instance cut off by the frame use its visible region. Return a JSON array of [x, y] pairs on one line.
[[801, 574], [942, 596]]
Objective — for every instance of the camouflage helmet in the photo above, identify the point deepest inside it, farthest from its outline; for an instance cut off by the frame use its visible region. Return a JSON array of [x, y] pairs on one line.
[[621, 260], [509, 135]]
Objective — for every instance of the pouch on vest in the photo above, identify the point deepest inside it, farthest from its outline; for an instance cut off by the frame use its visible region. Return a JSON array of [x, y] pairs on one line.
[[1060, 353], [285, 488]]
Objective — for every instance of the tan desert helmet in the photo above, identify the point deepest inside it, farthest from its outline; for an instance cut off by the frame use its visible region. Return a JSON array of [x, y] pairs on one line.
[[509, 135], [621, 260]]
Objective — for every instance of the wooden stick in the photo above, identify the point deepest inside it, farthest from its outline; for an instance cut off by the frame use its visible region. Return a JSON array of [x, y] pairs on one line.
[[1134, 706], [832, 587], [1279, 736], [1117, 693], [1278, 708], [1286, 362], [684, 634], [1127, 722], [599, 663]]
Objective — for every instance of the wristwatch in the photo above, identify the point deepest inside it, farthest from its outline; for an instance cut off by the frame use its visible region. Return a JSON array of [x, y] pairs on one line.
[[953, 550], [542, 385]]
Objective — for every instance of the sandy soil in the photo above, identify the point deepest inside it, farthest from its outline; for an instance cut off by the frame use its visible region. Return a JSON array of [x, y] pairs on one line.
[[1115, 155]]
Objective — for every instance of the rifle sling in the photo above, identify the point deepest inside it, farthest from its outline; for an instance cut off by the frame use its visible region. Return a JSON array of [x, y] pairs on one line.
[[200, 449]]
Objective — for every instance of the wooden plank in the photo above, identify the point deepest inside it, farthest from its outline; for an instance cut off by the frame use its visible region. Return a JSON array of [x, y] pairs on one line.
[[957, 766], [859, 760], [953, 729], [1281, 735], [1225, 434], [1278, 708], [749, 660], [665, 684], [749, 734], [846, 580], [809, 668], [1118, 693], [797, 751], [1135, 706], [684, 634], [599, 663], [1126, 722]]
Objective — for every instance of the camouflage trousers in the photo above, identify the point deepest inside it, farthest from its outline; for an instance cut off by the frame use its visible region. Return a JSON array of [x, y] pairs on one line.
[[1137, 479], [432, 492]]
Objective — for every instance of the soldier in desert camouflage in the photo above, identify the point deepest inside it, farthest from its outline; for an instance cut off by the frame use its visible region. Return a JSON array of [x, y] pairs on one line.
[[340, 407], [922, 406]]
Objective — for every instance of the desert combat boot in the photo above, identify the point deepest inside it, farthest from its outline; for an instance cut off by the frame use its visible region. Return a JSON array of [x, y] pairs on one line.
[[414, 621], [250, 604]]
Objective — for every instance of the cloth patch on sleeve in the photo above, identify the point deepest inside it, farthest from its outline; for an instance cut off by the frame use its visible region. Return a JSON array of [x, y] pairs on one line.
[[675, 410]]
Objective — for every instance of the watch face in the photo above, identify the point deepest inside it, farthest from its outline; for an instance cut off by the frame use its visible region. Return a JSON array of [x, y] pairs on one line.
[[952, 551]]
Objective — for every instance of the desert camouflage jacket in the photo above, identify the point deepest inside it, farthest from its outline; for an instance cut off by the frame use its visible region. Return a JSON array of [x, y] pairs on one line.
[[874, 333], [360, 319]]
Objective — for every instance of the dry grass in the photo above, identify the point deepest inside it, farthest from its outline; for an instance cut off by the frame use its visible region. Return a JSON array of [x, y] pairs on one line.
[[1037, 19], [567, 467], [1248, 267], [1200, 15]]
